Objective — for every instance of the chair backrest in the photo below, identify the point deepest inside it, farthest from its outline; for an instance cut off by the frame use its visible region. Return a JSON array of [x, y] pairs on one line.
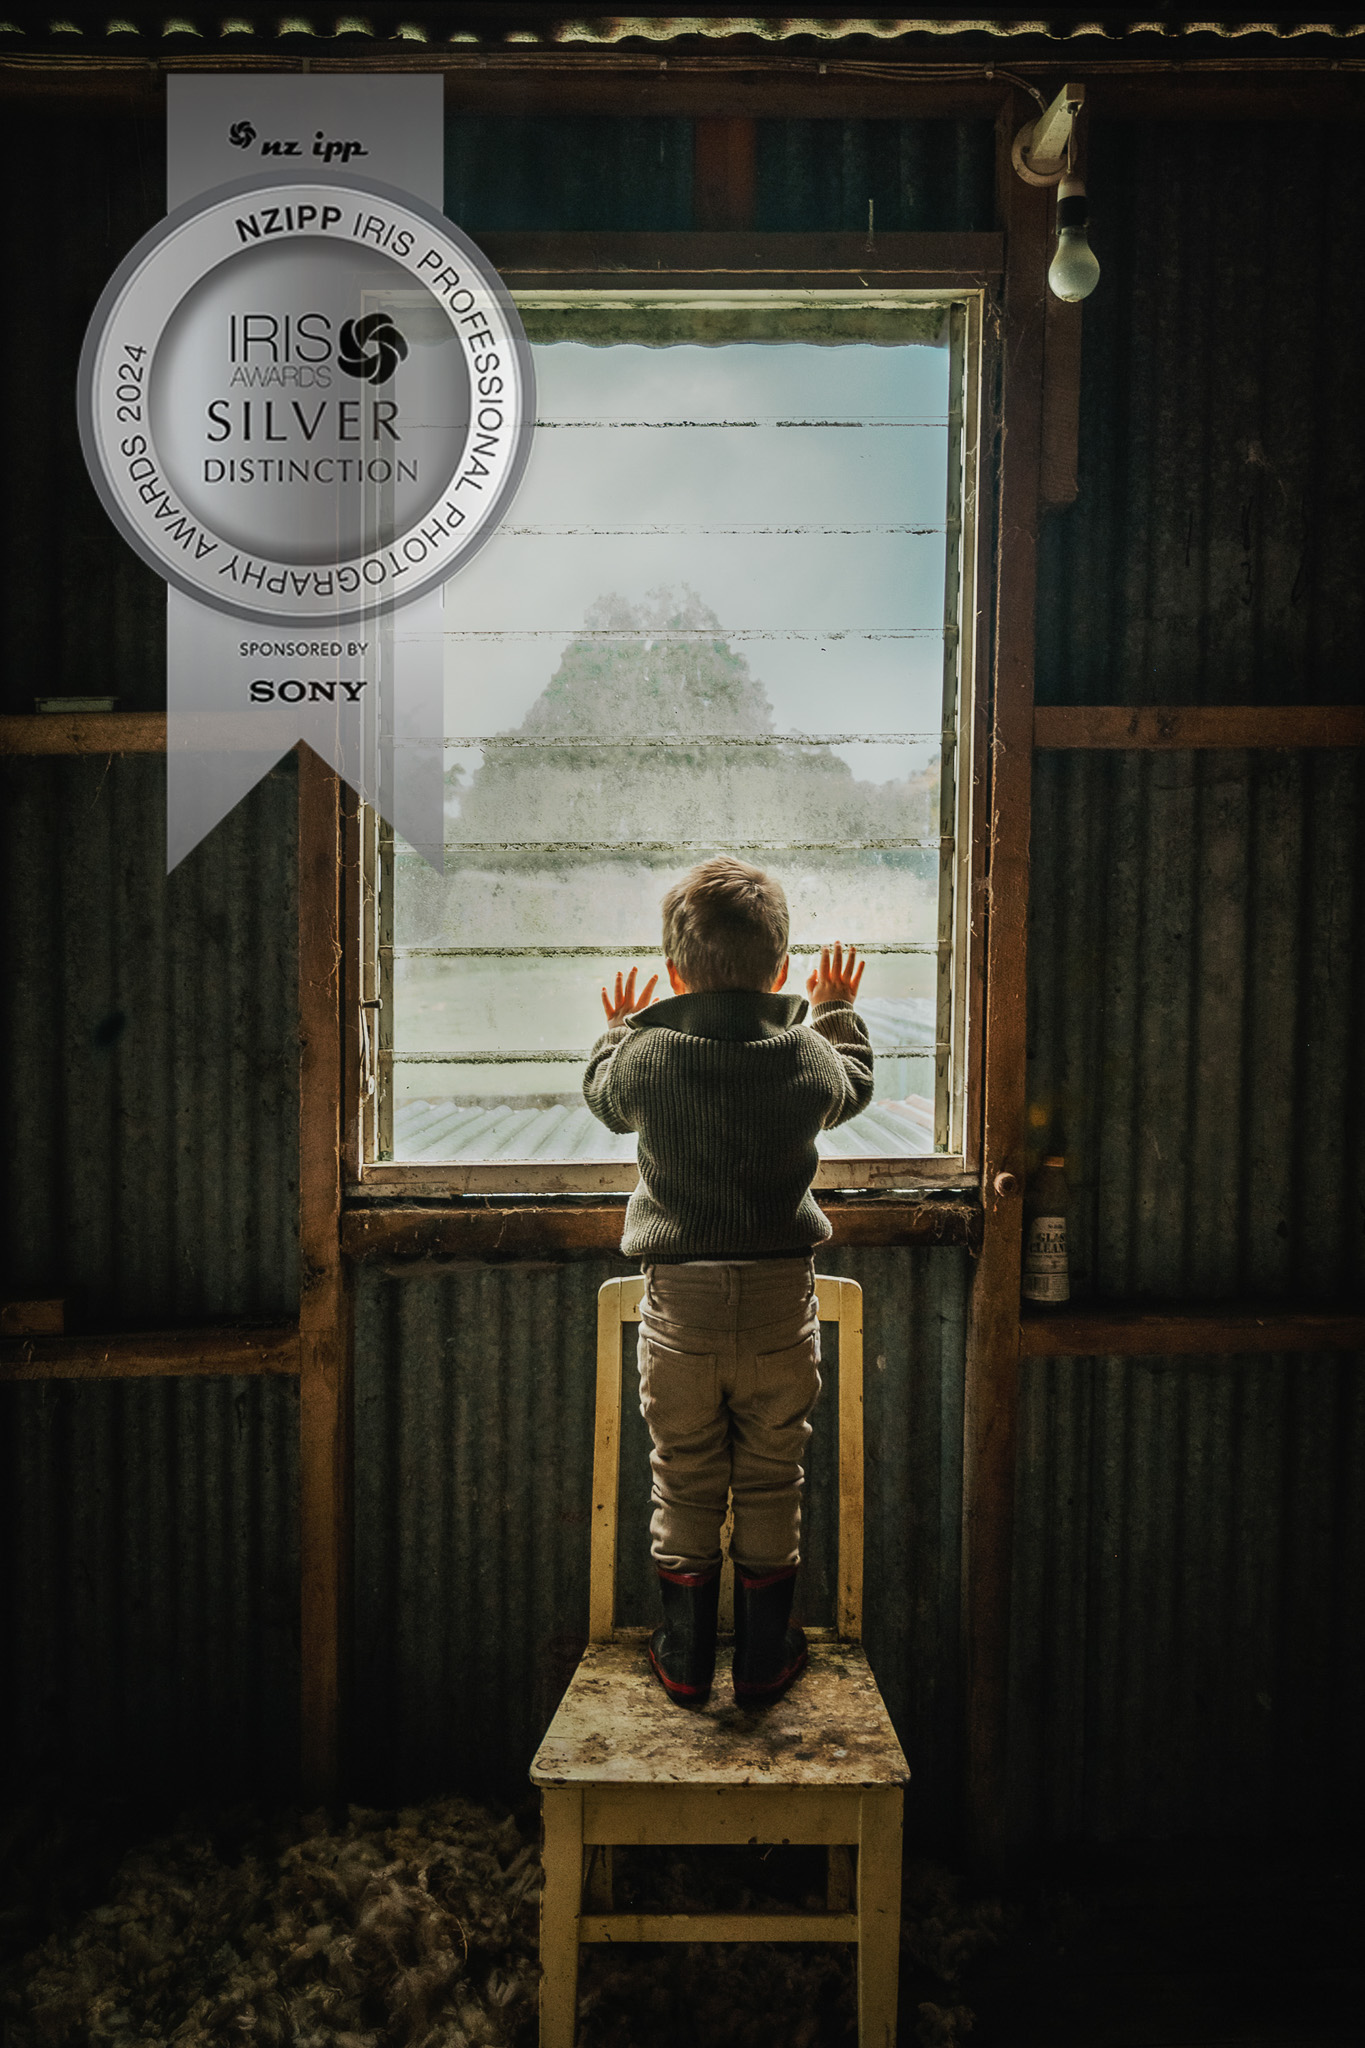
[[618, 1303]]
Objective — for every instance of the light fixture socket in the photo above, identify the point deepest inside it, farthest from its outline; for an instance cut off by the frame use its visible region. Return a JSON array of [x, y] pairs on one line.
[[1041, 149], [1073, 208]]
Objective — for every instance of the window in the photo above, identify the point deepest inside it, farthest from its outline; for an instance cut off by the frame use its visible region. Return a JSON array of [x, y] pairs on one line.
[[726, 613]]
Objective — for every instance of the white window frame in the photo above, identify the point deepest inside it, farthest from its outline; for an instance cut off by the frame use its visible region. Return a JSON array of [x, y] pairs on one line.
[[957, 1061]]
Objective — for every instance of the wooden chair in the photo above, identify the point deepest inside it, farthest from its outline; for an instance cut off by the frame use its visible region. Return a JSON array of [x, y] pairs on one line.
[[622, 1765]]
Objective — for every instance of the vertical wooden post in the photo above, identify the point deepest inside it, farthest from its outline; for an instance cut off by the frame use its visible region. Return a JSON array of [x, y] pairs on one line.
[[993, 1320], [325, 1349], [848, 1603], [1061, 405], [1060, 459], [724, 174]]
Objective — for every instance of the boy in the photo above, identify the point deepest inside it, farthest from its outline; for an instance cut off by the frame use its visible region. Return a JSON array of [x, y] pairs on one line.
[[727, 1088]]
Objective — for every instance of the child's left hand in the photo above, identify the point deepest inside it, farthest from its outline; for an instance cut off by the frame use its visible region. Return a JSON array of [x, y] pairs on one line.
[[627, 1002]]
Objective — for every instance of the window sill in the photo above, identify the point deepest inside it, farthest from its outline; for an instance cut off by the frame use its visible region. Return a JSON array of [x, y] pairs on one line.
[[498, 1228], [423, 1183]]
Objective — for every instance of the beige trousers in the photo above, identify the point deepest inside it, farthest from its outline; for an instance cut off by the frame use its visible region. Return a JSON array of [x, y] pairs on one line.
[[729, 1358]]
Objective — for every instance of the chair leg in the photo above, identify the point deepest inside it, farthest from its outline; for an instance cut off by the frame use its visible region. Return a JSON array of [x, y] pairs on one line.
[[879, 1916], [561, 1905]]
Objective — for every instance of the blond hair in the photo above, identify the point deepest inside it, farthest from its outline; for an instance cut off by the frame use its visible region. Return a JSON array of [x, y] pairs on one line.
[[726, 926]]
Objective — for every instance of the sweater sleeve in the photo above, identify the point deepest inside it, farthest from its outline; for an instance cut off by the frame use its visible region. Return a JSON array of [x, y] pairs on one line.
[[598, 1090], [844, 1032]]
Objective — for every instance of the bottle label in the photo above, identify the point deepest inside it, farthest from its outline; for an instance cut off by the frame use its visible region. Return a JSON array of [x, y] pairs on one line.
[[1045, 1265]]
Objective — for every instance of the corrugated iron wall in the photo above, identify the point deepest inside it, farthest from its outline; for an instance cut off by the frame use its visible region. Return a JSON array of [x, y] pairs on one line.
[[1189, 1620], [1213, 554], [148, 1045], [582, 174], [474, 1424], [83, 615], [150, 1596], [150, 1048], [920, 177], [1197, 1012], [1190, 1572], [574, 173]]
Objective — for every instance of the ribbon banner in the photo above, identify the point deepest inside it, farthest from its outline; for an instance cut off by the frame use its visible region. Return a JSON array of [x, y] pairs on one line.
[[305, 399]]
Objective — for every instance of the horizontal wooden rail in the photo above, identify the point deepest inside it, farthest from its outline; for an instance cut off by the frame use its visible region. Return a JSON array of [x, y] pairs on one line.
[[642, 260], [1198, 725], [930, 77], [520, 81], [84, 732], [154, 1354], [531, 1230], [1224, 1329], [1093, 726], [632, 1927]]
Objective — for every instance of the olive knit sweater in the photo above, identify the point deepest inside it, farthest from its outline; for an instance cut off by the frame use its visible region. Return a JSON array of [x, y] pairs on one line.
[[727, 1091]]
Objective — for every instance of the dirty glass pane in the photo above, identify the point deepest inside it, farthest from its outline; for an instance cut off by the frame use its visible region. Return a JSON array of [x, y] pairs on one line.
[[713, 621], [849, 796], [588, 894]]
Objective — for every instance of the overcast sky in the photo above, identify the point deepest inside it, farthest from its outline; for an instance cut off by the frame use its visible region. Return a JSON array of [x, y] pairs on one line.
[[780, 595]]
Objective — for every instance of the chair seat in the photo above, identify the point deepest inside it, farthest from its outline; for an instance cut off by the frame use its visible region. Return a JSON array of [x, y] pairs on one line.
[[616, 1725]]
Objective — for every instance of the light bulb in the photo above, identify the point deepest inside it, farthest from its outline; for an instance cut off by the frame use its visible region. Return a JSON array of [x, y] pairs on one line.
[[1074, 271]]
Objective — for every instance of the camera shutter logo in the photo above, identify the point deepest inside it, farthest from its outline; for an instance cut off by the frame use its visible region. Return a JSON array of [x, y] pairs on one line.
[[371, 348], [308, 400], [241, 134]]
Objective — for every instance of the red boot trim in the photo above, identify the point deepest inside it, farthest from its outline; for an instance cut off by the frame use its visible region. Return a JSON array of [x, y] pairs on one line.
[[685, 1695], [688, 1578], [769, 1579], [748, 1691]]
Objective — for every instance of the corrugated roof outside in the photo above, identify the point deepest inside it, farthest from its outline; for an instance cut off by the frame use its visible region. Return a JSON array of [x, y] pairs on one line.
[[439, 1127], [451, 29]]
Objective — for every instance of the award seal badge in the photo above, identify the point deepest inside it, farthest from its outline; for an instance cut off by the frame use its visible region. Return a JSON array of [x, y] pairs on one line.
[[306, 402]]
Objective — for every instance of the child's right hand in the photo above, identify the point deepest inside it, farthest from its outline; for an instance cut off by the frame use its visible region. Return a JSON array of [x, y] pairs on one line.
[[627, 1002], [834, 980]]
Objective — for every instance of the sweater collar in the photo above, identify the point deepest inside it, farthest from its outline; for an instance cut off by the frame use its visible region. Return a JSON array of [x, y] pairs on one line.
[[723, 1013]]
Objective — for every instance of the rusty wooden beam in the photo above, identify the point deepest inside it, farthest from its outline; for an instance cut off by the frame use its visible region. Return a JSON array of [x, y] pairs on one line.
[[45, 1318], [531, 1230], [84, 732], [604, 82], [993, 1317], [1177, 1330], [637, 261], [929, 80], [324, 1301], [154, 1354], [935, 1220], [1061, 404], [1199, 725]]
